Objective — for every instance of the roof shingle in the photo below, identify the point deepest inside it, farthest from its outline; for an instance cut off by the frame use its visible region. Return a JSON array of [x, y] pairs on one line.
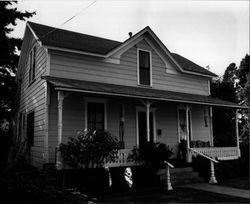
[[60, 38], [71, 40], [137, 92]]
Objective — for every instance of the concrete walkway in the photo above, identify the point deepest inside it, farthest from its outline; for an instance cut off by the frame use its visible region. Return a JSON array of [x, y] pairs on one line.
[[219, 189]]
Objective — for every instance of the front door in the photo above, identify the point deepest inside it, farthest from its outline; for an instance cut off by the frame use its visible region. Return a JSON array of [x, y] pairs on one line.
[[142, 127]]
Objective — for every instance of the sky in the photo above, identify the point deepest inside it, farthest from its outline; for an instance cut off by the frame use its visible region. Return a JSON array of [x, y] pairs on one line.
[[214, 33]]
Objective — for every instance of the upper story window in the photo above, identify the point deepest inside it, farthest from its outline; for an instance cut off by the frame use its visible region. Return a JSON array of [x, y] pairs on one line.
[[32, 68], [144, 68]]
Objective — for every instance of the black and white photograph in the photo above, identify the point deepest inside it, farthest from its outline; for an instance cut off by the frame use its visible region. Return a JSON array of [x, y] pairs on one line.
[[124, 101]]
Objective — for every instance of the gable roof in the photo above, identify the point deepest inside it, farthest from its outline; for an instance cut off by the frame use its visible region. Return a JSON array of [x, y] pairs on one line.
[[135, 92], [54, 37], [72, 40], [188, 65]]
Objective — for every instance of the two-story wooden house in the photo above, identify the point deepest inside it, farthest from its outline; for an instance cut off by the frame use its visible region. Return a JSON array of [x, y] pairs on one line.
[[68, 82]]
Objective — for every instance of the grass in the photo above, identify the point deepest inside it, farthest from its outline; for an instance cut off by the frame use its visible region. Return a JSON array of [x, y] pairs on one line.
[[242, 183], [178, 195]]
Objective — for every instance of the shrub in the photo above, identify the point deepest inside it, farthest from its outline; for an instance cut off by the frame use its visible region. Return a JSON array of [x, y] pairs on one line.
[[153, 154], [90, 148]]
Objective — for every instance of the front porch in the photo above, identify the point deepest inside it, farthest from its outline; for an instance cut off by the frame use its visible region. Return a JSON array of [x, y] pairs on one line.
[[136, 121], [135, 115]]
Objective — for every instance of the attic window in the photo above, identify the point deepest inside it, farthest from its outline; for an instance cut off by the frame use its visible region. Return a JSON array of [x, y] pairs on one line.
[[32, 58], [144, 68]]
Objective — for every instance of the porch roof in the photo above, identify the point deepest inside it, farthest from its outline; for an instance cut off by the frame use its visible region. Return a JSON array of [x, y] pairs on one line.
[[135, 92]]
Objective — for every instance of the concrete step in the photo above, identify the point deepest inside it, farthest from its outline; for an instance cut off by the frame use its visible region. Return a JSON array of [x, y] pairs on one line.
[[175, 170], [181, 170]]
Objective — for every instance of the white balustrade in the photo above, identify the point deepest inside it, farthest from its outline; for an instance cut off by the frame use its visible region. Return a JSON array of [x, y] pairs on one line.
[[221, 153], [122, 159]]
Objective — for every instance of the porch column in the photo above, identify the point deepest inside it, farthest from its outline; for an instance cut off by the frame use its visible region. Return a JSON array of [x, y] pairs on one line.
[[59, 126], [148, 126], [211, 126], [237, 131], [187, 131]]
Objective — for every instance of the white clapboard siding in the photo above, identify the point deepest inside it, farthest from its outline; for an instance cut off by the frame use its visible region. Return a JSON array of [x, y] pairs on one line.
[[32, 98], [95, 69]]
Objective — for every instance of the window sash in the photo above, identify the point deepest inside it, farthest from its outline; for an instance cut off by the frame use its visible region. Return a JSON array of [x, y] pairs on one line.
[[30, 128], [95, 119], [144, 68]]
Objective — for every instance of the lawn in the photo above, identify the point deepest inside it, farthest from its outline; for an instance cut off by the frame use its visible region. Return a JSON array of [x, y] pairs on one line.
[[178, 195], [242, 183]]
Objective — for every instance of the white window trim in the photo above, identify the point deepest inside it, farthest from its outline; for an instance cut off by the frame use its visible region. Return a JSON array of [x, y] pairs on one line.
[[95, 100], [138, 68], [182, 107], [152, 110]]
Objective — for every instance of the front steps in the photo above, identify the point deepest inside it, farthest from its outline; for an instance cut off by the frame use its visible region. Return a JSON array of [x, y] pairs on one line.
[[180, 176]]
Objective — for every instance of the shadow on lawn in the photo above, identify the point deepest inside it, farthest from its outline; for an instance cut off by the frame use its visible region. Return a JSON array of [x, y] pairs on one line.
[[178, 195]]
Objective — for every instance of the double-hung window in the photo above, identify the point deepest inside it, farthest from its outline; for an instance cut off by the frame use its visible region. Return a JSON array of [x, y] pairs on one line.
[[30, 128], [95, 116], [32, 68], [144, 68]]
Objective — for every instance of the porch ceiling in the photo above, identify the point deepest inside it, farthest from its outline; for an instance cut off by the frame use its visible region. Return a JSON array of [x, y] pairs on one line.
[[135, 92]]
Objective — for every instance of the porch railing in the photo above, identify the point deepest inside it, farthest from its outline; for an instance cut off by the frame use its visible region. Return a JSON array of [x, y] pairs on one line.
[[122, 159], [220, 153], [212, 161]]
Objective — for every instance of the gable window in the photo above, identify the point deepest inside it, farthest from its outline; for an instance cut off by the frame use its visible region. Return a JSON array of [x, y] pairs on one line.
[[32, 58], [95, 116], [144, 68], [30, 128]]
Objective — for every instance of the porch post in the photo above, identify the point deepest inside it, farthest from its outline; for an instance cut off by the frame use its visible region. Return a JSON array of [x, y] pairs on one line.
[[211, 126], [237, 131], [187, 131], [59, 126], [148, 126]]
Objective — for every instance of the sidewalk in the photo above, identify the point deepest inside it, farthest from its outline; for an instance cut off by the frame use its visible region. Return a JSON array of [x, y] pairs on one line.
[[219, 189]]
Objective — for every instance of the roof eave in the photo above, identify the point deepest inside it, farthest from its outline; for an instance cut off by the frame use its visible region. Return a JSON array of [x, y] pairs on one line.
[[75, 51], [150, 98]]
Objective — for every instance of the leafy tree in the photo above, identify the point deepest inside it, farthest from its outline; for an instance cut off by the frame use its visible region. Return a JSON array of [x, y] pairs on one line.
[[234, 86], [243, 93], [8, 53], [223, 120], [230, 74], [8, 67]]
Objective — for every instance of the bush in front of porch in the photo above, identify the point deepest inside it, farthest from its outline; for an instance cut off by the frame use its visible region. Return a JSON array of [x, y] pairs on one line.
[[90, 149], [151, 154]]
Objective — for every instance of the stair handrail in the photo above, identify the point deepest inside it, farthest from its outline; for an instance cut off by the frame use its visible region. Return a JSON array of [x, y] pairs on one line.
[[170, 165], [168, 185], [203, 155]]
